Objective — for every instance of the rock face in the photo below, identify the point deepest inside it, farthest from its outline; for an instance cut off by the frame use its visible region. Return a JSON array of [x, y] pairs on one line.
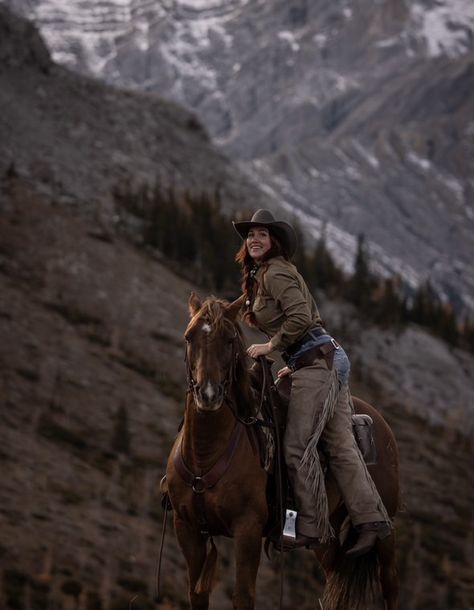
[[354, 115], [82, 140]]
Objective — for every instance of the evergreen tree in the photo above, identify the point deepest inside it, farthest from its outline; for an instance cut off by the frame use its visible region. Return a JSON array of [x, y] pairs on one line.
[[362, 282], [300, 257], [467, 334], [447, 326], [325, 274], [388, 306]]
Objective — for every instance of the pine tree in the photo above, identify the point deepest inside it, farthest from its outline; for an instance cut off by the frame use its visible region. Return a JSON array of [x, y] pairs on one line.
[[301, 258], [362, 282], [388, 306], [325, 274]]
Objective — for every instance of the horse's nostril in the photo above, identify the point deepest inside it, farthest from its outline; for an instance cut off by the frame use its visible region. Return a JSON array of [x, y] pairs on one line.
[[209, 393]]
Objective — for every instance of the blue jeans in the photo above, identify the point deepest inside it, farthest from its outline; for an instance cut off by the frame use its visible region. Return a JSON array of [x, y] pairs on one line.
[[342, 364]]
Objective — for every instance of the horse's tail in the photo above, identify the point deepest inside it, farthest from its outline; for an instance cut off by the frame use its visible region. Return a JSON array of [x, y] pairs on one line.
[[205, 582], [352, 583]]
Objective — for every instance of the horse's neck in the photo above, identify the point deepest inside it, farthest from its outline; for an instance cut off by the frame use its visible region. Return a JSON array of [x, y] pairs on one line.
[[205, 437]]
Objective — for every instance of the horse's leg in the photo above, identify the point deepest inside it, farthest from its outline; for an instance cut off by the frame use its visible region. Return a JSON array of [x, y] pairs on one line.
[[248, 545], [388, 571], [193, 546]]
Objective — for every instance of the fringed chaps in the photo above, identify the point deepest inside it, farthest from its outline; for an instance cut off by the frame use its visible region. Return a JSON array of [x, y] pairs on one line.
[[310, 460]]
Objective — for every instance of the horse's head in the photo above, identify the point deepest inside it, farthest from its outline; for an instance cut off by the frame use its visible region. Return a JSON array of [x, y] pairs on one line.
[[213, 350]]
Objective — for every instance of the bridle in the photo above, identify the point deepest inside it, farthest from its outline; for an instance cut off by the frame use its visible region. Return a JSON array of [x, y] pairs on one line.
[[224, 387], [228, 382]]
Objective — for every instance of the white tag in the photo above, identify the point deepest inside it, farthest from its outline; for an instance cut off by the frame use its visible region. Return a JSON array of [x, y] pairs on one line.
[[290, 524]]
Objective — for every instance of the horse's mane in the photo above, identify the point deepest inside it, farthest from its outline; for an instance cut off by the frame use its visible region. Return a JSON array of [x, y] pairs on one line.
[[213, 312]]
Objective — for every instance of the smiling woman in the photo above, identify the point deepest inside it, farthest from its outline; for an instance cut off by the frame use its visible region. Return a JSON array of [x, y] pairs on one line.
[[279, 303], [258, 242]]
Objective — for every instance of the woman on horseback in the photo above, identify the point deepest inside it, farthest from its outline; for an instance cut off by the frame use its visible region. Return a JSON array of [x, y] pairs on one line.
[[280, 304]]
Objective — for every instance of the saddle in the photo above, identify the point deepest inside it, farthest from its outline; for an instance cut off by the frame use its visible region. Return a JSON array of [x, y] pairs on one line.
[[265, 432], [361, 422]]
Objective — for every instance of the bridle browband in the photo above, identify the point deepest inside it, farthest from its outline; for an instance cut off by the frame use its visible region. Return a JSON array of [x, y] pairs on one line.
[[227, 384]]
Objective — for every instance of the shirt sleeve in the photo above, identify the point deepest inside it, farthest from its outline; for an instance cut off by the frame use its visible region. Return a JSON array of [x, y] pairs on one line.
[[285, 289]]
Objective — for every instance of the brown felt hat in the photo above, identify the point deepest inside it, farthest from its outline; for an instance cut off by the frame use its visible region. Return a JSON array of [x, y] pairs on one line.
[[264, 218]]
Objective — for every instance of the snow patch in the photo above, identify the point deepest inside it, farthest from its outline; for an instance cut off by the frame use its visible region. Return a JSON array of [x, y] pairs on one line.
[[454, 185], [447, 28], [388, 42], [200, 5], [320, 40], [366, 155], [290, 39], [420, 162], [347, 12], [353, 173]]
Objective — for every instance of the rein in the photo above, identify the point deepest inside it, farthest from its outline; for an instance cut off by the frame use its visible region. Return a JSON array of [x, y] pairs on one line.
[[228, 383], [199, 484]]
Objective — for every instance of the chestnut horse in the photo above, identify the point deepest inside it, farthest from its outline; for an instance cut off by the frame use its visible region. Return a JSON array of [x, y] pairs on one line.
[[217, 486]]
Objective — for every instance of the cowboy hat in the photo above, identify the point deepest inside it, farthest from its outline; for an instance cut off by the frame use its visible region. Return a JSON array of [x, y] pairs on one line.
[[264, 218]]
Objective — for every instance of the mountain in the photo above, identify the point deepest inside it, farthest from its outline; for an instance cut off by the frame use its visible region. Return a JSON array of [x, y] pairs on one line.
[[92, 374], [354, 116], [83, 140]]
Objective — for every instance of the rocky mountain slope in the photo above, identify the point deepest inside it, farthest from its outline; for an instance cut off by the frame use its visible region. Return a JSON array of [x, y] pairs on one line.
[[92, 377], [82, 140], [354, 115]]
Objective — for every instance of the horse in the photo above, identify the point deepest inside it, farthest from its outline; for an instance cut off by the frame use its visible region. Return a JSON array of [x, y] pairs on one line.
[[217, 485]]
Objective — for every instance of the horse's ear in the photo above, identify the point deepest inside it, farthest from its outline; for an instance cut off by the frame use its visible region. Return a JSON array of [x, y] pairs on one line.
[[234, 308], [194, 304]]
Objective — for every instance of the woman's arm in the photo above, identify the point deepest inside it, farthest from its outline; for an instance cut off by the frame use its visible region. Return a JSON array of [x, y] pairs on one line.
[[284, 287]]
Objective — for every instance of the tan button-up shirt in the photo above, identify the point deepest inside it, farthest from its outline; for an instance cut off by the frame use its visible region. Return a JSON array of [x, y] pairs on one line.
[[284, 307]]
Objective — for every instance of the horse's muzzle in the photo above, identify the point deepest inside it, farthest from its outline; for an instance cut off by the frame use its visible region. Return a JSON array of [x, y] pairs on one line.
[[209, 396]]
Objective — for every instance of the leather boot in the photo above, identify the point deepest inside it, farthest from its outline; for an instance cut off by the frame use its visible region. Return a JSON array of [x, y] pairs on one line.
[[368, 534]]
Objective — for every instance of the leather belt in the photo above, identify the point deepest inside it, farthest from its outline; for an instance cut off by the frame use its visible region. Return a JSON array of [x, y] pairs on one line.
[[308, 357], [311, 334]]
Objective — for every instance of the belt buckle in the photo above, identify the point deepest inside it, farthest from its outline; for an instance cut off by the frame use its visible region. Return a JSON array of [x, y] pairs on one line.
[[335, 343]]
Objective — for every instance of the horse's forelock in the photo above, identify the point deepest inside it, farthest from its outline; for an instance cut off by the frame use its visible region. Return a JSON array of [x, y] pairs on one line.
[[212, 313]]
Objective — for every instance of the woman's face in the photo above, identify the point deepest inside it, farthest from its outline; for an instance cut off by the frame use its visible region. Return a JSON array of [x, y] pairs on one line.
[[258, 242]]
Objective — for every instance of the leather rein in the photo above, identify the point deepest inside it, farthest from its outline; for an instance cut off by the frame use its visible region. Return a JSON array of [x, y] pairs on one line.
[[227, 384], [199, 484]]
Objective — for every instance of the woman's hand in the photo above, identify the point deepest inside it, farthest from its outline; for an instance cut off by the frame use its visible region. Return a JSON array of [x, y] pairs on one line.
[[259, 349], [284, 371]]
